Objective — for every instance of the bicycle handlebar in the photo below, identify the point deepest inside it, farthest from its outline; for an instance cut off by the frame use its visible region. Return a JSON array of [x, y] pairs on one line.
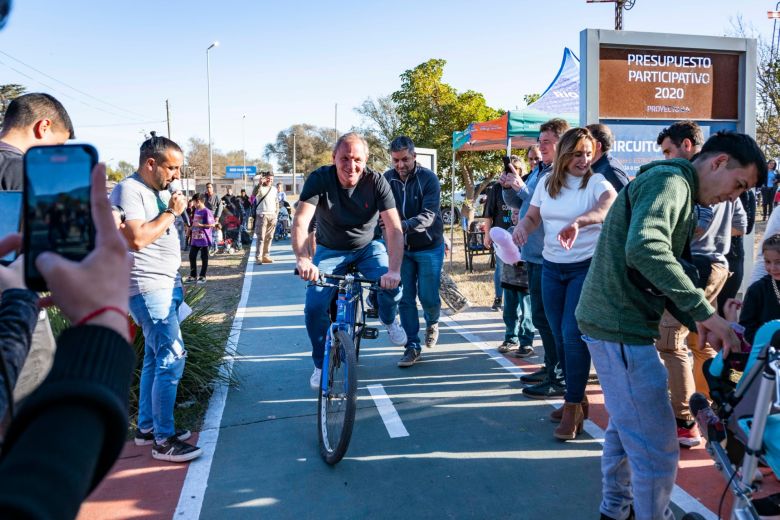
[[355, 278]]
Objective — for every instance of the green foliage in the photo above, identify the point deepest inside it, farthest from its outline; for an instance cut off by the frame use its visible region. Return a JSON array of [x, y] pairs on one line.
[[113, 174], [381, 124], [204, 341], [313, 147], [530, 98], [431, 110], [7, 93]]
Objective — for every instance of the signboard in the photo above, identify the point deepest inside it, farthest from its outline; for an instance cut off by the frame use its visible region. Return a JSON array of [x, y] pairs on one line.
[[642, 83], [237, 172], [636, 142]]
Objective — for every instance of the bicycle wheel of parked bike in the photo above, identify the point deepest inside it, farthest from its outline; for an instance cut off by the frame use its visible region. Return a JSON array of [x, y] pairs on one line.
[[339, 401]]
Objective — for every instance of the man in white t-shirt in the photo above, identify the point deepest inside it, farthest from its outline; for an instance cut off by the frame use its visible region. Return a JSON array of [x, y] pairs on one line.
[[266, 210]]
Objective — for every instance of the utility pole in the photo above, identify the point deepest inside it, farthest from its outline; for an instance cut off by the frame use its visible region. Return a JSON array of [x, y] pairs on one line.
[[620, 6], [168, 117]]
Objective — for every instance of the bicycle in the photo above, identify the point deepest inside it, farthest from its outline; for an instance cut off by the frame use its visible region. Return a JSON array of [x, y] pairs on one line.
[[337, 400]]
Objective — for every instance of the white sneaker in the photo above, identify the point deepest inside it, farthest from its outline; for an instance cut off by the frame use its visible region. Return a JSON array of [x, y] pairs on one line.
[[314, 380], [397, 333]]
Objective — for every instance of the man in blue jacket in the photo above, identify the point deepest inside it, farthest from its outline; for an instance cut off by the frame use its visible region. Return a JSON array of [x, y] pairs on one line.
[[417, 195]]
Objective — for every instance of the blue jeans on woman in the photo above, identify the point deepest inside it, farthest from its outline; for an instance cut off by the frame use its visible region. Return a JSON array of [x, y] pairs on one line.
[[561, 289], [420, 278], [371, 261], [157, 312]]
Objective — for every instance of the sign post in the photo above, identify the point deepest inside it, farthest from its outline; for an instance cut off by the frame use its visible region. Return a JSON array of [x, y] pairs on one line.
[[639, 83], [238, 172]]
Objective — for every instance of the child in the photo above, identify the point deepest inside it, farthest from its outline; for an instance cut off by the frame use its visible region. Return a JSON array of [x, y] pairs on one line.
[[519, 332], [200, 239], [762, 301]]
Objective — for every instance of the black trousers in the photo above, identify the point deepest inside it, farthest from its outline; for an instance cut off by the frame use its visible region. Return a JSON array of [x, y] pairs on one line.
[[204, 260]]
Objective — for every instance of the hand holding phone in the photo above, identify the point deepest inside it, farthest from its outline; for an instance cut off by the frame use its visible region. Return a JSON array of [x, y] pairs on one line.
[[57, 205]]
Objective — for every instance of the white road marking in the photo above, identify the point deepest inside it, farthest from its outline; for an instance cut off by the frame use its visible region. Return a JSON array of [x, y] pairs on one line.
[[194, 487], [395, 427], [680, 497]]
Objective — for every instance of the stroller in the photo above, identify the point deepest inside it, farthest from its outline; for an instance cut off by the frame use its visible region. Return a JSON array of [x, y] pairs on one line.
[[282, 231], [745, 431]]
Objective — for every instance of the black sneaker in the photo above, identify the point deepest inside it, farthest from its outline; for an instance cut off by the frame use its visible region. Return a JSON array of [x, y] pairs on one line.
[[411, 356], [174, 450], [534, 377], [497, 305], [506, 346], [523, 351], [544, 391], [145, 439]]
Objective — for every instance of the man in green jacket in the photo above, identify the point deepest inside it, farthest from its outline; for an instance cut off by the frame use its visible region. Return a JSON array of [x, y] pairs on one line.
[[620, 321]]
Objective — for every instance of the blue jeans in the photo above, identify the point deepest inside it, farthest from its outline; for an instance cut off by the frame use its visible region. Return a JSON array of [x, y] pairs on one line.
[[371, 262], [551, 363], [497, 277], [517, 318], [561, 288], [639, 462], [157, 314], [420, 278]]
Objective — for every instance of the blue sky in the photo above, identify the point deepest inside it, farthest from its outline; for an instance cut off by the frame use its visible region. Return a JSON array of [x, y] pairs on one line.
[[290, 62]]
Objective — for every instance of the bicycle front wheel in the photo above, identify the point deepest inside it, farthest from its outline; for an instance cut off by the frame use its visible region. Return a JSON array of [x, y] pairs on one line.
[[338, 402]]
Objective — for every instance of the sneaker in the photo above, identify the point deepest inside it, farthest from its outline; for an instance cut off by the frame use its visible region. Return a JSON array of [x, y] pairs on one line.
[[190, 279], [174, 450], [145, 439], [432, 335], [523, 351], [314, 380], [544, 390], [534, 377], [397, 333], [411, 356], [201, 280], [506, 346], [688, 437], [497, 305]]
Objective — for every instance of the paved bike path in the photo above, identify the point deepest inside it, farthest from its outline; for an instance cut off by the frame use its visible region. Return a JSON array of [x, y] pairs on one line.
[[475, 448]]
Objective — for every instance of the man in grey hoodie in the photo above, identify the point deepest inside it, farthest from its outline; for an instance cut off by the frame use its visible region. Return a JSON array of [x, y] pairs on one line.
[[417, 195]]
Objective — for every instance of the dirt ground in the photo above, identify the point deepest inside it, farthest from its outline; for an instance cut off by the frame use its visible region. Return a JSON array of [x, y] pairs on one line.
[[225, 277]]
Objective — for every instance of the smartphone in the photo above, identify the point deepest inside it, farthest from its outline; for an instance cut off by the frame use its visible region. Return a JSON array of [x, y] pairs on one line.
[[11, 209], [57, 214]]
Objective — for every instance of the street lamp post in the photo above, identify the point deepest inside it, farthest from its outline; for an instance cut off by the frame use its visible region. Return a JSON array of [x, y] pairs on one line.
[[243, 146], [208, 98]]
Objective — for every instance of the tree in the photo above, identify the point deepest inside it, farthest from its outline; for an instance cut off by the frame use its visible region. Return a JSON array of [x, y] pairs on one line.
[[381, 124], [767, 90], [530, 98], [197, 160], [113, 174], [430, 111], [125, 168], [7, 93], [313, 147]]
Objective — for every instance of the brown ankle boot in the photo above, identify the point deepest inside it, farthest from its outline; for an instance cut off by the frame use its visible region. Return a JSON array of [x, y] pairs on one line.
[[555, 415], [571, 422]]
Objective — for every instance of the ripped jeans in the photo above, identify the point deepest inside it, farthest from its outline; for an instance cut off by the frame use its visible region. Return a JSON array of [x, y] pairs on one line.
[[157, 314]]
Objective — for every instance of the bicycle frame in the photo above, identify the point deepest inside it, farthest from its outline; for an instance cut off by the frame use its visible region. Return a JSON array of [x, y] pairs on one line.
[[346, 315]]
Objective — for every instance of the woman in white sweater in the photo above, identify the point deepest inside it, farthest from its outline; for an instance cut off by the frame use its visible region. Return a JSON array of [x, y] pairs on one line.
[[572, 206]]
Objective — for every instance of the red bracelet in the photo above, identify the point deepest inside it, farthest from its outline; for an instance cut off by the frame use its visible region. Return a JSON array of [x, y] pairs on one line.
[[98, 312]]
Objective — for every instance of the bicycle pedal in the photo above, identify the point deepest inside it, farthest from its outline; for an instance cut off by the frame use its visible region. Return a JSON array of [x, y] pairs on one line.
[[370, 333], [372, 313]]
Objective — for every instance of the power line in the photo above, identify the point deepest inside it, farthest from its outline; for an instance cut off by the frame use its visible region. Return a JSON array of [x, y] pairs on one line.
[[123, 124], [66, 85], [54, 89]]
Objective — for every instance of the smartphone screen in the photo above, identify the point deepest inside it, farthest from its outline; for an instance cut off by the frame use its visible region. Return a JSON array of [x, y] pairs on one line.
[[11, 209], [57, 213]]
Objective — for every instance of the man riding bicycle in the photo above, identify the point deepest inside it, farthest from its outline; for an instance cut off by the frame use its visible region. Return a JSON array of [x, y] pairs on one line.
[[348, 198]]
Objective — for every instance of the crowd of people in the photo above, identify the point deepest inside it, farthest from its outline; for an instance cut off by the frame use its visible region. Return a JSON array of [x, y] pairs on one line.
[[630, 277], [633, 278]]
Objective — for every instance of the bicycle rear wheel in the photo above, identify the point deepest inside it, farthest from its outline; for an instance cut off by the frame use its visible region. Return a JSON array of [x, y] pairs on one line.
[[337, 404]]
